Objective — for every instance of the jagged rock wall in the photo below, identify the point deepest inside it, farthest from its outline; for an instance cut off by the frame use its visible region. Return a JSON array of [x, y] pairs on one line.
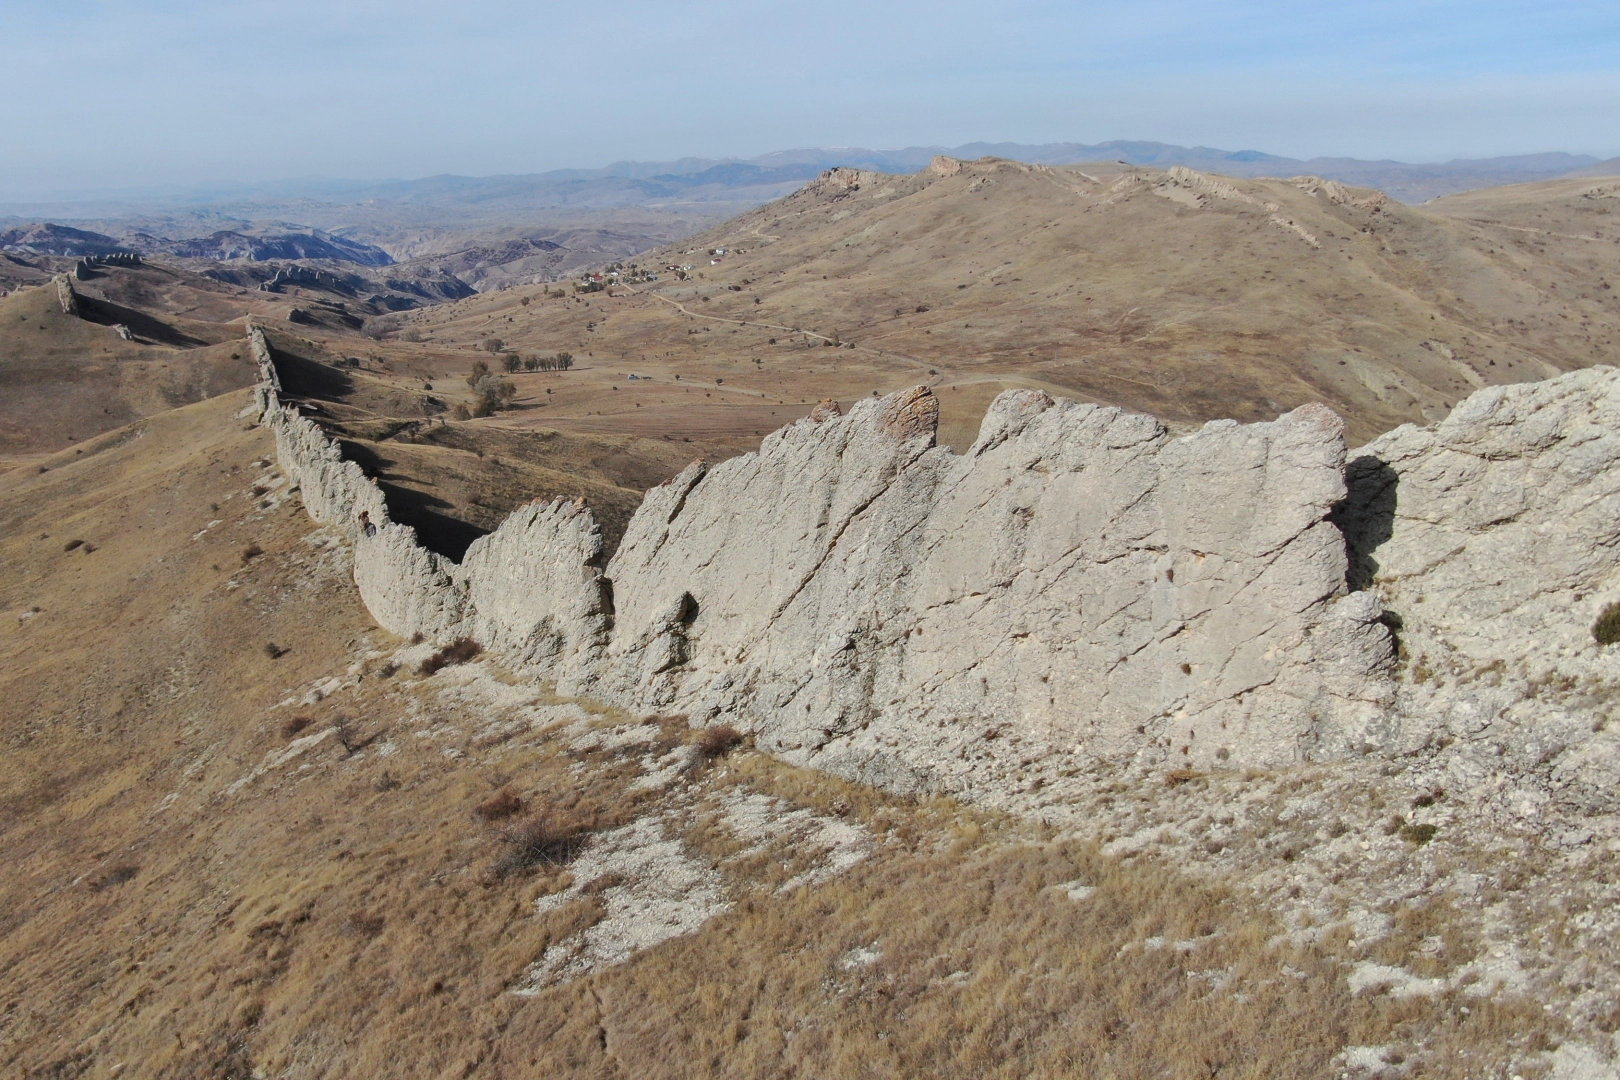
[[1078, 575], [869, 603], [1493, 539], [65, 294], [531, 590]]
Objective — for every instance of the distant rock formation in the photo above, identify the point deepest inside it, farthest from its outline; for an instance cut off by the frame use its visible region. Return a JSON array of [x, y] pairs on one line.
[[86, 265], [1078, 583], [303, 275], [65, 294]]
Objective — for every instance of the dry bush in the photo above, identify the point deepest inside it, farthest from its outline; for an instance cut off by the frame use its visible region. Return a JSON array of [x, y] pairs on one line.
[[719, 741], [502, 804], [378, 326], [251, 552], [541, 840], [259, 491], [344, 729], [115, 875], [293, 725], [457, 652], [274, 651]]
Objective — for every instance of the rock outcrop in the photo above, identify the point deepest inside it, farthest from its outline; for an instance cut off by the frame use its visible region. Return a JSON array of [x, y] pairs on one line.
[[1078, 575], [1493, 539], [65, 294], [1079, 581]]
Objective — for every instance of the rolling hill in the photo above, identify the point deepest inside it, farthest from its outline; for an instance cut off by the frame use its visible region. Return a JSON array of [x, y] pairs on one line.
[[1190, 296]]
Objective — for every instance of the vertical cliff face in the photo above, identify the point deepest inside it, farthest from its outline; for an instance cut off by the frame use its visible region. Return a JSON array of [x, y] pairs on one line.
[[1079, 581], [865, 599], [1493, 538]]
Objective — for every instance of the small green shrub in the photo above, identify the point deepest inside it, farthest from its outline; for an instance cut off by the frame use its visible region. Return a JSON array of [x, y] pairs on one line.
[[1607, 628], [1418, 834]]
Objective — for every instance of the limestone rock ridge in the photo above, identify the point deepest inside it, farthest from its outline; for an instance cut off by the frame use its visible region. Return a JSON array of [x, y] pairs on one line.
[[1079, 582]]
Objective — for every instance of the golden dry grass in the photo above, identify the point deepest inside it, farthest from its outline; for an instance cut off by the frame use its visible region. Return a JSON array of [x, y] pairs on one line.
[[1007, 275]]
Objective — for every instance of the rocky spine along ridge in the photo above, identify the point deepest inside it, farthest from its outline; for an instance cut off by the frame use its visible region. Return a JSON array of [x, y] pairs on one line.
[[871, 604]]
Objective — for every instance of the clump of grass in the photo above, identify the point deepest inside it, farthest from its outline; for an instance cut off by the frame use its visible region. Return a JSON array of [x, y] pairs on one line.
[[294, 725], [71, 544], [598, 885], [457, 652], [719, 741], [538, 841], [502, 804], [88, 547], [260, 491], [363, 924], [1606, 630], [251, 552], [1418, 834], [274, 651]]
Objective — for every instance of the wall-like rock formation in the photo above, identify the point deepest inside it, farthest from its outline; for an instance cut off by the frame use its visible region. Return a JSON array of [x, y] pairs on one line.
[[532, 589], [1493, 538], [65, 294], [1080, 580], [1078, 575]]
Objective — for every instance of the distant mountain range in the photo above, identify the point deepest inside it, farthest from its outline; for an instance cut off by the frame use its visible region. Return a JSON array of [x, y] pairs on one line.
[[724, 186], [255, 245], [494, 231]]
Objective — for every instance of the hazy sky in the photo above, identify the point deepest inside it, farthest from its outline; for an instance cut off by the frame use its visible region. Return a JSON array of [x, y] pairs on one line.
[[113, 95]]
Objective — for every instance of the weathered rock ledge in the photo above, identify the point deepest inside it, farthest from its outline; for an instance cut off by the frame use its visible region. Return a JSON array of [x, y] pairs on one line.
[[1078, 584]]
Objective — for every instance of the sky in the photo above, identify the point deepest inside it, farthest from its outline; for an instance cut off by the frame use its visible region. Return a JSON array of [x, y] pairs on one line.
[[102, 96]]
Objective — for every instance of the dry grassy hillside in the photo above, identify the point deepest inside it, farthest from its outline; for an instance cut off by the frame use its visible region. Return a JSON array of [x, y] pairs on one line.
[[64, 379], [245, 835], [1188, 296], [146, 338], [1571, 224]]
